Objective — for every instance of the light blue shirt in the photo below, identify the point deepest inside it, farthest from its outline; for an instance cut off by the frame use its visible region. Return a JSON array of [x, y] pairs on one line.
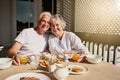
[[68, 42]]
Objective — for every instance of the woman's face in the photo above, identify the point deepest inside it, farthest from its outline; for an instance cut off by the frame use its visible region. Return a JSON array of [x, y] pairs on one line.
[[56, 28]]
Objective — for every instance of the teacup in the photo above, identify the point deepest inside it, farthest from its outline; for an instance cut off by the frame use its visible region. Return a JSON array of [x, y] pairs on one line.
[[94, 58]]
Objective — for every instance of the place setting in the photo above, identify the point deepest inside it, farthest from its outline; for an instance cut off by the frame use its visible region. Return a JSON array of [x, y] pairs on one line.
[[59, 66], [55, 67]]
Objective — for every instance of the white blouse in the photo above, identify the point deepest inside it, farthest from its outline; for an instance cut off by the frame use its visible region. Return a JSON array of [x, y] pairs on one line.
[[68, 42]]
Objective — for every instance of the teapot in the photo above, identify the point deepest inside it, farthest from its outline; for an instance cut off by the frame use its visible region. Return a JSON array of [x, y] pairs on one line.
[[61, 72]]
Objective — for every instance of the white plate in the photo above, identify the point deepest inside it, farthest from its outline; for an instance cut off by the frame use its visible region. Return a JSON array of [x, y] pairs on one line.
[[36, 75], [43, 65], [85, 69]]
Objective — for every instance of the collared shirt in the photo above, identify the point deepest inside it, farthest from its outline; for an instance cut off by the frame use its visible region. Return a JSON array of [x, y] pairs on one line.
[[68, 42]]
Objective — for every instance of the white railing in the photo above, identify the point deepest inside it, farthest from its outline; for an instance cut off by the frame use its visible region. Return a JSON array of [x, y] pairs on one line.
[[110, 53]]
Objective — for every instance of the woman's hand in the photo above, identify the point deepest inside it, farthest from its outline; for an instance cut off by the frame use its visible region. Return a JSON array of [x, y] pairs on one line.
[[78, 56], [81, 58]]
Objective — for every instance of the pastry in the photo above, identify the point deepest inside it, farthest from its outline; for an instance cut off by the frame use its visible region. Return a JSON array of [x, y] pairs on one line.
[[29, 78], [76, 69]]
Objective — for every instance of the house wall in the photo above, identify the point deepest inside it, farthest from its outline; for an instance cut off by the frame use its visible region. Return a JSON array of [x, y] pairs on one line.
[[98, 21], [5, 24], [8, 30]]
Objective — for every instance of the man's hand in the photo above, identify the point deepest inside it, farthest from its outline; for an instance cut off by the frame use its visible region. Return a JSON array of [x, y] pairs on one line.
[[16, 61]]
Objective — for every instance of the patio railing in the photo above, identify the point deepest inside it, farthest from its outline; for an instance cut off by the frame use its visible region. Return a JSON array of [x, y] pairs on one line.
[[110, 53]]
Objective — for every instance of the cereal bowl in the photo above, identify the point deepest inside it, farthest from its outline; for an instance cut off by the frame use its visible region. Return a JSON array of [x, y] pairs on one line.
[[5, 63], [94, 58]]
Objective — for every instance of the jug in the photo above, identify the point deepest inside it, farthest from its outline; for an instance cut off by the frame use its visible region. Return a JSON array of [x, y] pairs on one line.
[[61, 73], [52, 68]]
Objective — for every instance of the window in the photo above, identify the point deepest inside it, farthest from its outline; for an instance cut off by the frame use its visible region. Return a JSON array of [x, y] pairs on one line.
[[49, 5], [25, 14]]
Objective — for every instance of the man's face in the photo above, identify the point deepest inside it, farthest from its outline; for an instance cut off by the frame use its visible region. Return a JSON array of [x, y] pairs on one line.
[[44, 23]]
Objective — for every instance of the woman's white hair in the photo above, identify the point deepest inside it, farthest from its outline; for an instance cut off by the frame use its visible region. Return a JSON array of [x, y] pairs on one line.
[[44, 14], [60, 18]]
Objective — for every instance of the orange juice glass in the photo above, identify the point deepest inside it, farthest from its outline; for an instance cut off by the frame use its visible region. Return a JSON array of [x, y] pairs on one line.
[[23, 59], [75, 57]]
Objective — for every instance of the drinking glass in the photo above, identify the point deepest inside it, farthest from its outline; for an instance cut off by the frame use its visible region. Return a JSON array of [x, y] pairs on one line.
[[24, 59], [75, 56]]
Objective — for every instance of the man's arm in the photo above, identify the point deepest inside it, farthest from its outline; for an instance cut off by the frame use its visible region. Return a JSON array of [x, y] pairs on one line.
[[13, 52]]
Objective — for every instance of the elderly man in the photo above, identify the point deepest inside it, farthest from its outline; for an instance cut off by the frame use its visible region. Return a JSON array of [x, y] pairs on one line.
[[31, 40]]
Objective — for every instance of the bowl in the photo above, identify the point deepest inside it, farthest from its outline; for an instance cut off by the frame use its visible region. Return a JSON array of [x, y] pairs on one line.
[[1, 47], [94, 58], [5, 63]]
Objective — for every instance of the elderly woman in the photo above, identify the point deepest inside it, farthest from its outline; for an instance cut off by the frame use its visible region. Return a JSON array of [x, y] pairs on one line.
[[64, 42]]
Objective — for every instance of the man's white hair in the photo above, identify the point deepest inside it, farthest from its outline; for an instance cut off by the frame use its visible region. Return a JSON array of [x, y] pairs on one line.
[[44, 14]]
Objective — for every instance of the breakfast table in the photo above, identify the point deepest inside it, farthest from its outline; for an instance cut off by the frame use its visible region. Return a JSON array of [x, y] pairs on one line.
[[100, 71]]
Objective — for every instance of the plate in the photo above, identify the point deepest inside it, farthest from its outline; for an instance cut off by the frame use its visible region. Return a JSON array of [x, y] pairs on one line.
[[43, 65], [78, 69], [36, 75]]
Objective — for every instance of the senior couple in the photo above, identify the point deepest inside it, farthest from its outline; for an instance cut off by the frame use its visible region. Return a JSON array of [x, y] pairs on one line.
[[36, 40]]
